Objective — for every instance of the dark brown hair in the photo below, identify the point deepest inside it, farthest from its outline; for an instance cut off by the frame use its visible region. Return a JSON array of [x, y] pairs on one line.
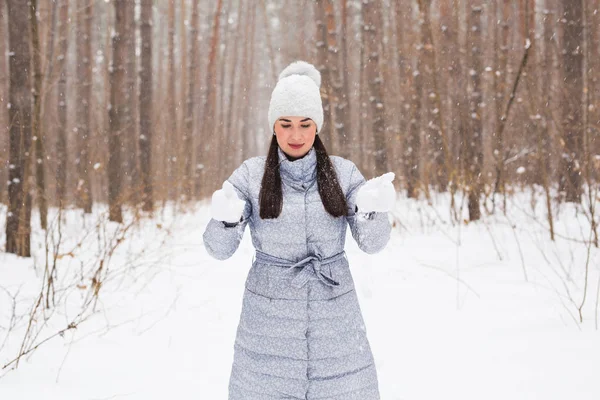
[[271, 194]]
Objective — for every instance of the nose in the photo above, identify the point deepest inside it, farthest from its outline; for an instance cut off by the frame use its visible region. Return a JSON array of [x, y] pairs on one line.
[[296, 134]]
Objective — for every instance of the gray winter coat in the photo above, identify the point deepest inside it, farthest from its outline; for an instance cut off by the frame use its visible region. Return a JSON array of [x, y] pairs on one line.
[[301, 333]]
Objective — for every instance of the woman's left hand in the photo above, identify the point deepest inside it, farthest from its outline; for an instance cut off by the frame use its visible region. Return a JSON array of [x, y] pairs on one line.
[[377, 194]]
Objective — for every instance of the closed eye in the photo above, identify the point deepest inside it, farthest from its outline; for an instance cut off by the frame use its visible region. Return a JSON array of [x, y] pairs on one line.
[[305, 126], [285, 126]]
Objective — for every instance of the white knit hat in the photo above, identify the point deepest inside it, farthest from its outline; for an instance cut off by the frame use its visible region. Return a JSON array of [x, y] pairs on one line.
[[297, 94]]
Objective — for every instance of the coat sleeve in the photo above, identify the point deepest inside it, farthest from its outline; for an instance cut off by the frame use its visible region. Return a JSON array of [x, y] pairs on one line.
[[370, 230], [221, 240]]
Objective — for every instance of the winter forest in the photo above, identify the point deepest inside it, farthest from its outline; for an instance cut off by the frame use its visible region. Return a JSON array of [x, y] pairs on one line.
[[120, 118]]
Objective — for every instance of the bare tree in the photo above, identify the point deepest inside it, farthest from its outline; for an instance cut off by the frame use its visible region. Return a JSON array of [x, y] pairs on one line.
[[473, 146], [119, 50], [501, 46], [437, 151], [343, 106], [188, 136], [18, 230], [248, 59], [544, 143], [373, 30], [82, 106], [233, 115], [572, 118], [413, 86], [172, 101], [37, 131], [61, 103], [323, 66], [146, 105], [129, 126], [209, 141], [3, 102]]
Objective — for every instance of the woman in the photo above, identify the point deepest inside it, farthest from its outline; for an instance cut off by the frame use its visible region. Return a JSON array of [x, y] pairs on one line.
[[301, 333]]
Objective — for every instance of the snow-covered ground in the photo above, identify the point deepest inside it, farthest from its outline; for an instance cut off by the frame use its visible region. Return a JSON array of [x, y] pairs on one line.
[[480, 311]]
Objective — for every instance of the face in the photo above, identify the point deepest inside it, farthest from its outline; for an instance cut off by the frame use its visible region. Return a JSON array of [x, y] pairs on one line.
[[295, 135]]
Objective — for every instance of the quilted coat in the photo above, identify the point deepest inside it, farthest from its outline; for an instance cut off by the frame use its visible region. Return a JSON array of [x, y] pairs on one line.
[[301, 333]]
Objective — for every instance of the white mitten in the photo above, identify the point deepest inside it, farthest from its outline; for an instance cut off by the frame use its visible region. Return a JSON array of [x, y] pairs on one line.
[[377, 194], [226, 206]]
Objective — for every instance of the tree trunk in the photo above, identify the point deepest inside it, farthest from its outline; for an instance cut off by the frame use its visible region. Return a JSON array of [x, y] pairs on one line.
[[474, 145], [209, 140], [129, 136], [324, 68], [338, 110], [18, 232], [172, 135], [348, 149], [412, 142], [82, 107], [500, 90], [372, 28], [182, 151], [62, 156], [115, 114], [37, 132], [232, 120], [3, 102], [438, 149], [146, 105], [450, 46], [267, 26], [544, 144], [188, 137], [248, 79], [572, 118]]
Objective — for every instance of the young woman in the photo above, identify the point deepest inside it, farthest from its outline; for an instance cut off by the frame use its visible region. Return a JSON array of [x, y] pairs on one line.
[[301, 333]]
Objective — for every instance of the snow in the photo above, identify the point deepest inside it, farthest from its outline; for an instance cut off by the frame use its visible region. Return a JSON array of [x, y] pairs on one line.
[[448, 311]]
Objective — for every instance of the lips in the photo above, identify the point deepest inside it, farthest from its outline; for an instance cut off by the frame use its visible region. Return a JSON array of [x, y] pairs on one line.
[[296, 146]]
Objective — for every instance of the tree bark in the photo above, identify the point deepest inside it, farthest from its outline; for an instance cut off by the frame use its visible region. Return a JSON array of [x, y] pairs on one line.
[[172, 136], [372, 28], [209, 141], [82, 107], [474, 145], [115, 114], [500, 90], [37, 131], [129, 136], [232, 120], [62, 155], [438, 148], [3, 102], [324, 68], [188, 137], [18, 231], [348, 150], [183, 96], [248, 75], [544, 144], [339, 115], [412, 141], [146, 105], [572, 117]]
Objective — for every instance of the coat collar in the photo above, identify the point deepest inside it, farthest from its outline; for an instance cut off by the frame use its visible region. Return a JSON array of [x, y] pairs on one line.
[[301, 172]]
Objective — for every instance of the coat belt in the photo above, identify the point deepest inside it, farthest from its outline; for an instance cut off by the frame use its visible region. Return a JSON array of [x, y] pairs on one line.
[[310, 266]]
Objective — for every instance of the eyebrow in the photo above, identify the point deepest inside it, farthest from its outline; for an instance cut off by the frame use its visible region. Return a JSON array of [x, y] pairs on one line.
[[287, 120]]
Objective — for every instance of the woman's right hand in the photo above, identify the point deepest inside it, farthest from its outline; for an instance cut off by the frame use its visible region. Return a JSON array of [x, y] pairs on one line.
[[226, 206]]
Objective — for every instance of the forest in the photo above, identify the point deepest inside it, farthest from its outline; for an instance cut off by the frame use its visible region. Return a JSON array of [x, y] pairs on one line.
[[133, 103]]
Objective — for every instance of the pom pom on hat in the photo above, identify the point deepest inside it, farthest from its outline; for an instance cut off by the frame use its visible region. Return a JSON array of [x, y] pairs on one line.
[[302, 68], [297, 94]]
